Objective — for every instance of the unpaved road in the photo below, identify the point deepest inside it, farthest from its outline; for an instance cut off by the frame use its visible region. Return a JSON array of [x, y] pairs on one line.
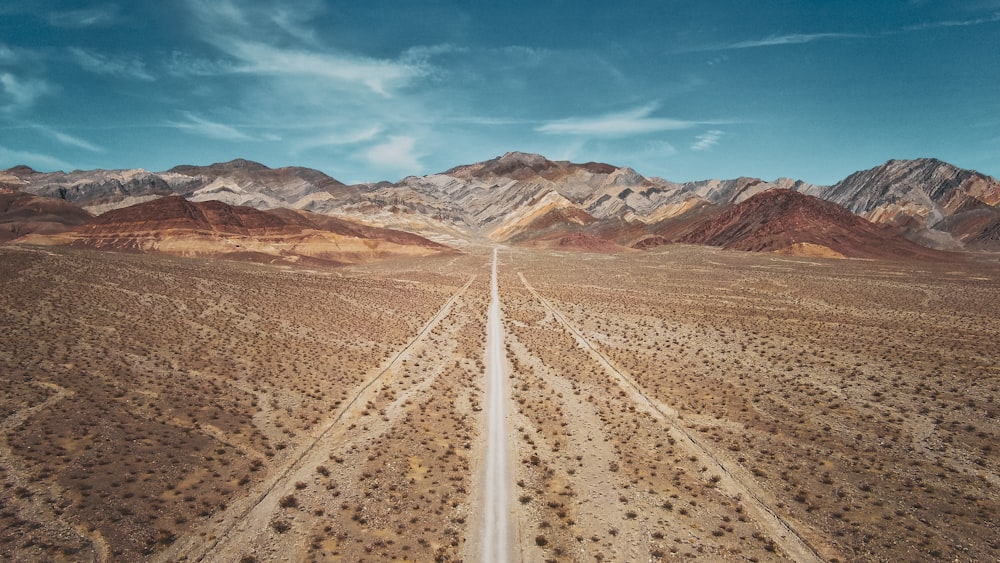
[[495, 538]]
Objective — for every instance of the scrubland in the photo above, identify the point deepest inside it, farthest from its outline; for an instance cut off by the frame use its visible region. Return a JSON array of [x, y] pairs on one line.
[[148, 400], [683, 403], [857, 400]]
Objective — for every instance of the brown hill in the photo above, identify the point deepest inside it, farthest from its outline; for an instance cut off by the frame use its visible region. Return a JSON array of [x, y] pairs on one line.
[[174, 225], [22, 214], [790, 222]]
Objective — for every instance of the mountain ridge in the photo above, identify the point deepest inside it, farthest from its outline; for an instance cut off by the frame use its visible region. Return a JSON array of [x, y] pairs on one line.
[[930, 202]]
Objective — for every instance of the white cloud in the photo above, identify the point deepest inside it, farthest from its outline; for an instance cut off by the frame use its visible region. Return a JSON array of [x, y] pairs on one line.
[[632, 122], [130, 67], [20, 93], [72, 141], [772, 41], [397, 153], [791, 39], [98, 16], [956, 23], [8, 55], [707, 140], [378, 75], [273, 40], [211, 129]]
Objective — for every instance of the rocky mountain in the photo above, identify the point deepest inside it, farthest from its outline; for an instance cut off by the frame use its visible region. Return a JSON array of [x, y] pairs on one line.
[[525, 198], [789, 222], [935, 202], [238, 182], [243, 182], [94, 190], [175, 225]]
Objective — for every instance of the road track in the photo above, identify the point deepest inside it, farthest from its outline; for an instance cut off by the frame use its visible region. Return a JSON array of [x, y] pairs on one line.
[[240, 513], [780, 530]]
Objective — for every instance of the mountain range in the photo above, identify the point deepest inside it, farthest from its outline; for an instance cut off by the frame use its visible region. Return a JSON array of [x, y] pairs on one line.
[[901, 209]]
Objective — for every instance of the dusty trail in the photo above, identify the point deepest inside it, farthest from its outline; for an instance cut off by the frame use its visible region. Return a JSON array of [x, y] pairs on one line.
[[495, 537], [734, 479], [254, 511]]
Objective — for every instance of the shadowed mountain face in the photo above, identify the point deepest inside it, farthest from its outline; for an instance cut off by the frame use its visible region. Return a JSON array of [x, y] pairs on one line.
[[527, 199]]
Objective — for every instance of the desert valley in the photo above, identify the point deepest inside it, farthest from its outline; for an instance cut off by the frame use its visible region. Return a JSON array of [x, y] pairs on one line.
[[514, 360]]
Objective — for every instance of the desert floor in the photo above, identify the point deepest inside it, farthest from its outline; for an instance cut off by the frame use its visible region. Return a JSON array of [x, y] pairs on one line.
[[682, 403]]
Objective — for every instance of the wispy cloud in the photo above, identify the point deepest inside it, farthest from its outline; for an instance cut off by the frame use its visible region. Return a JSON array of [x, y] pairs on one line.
[[97, 16], [211, 129], [8, 55], [396, 153], [123, 67], [290, 49], [72, 141], [184, 64], [791, 39], [802, 38], [993, 18], [632, 122], [378, 75], [339, 138], [772, 41], [18, 93], [38, 161], [707, 140]]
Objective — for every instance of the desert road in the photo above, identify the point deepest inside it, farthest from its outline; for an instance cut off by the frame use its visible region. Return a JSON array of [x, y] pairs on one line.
[[495, 539]]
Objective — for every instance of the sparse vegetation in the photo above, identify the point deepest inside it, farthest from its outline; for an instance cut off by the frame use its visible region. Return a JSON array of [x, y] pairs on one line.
[[858, 399]]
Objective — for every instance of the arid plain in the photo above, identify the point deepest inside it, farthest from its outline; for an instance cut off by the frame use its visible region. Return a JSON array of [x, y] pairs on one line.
[[684, 403]]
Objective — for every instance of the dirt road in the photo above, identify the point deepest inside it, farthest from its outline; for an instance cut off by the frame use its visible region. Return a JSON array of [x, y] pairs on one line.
[[496, 537]]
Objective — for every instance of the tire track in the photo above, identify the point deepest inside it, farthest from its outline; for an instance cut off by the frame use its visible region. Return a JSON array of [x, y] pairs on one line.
[[196, 550], [780, 529]]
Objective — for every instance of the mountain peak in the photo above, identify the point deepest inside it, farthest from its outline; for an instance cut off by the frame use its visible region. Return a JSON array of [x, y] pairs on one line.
[[237, 164], [242, 164], [21, 169], [523, 158]]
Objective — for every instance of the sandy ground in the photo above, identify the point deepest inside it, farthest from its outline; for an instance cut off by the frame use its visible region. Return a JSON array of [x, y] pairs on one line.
[[499, 406]]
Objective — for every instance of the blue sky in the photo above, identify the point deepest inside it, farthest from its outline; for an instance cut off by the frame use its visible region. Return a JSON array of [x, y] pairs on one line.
[[377, 90]]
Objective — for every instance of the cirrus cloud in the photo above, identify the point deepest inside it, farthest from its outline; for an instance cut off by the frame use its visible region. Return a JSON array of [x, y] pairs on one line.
[[622, 124], [707, 140], [208, 128]]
